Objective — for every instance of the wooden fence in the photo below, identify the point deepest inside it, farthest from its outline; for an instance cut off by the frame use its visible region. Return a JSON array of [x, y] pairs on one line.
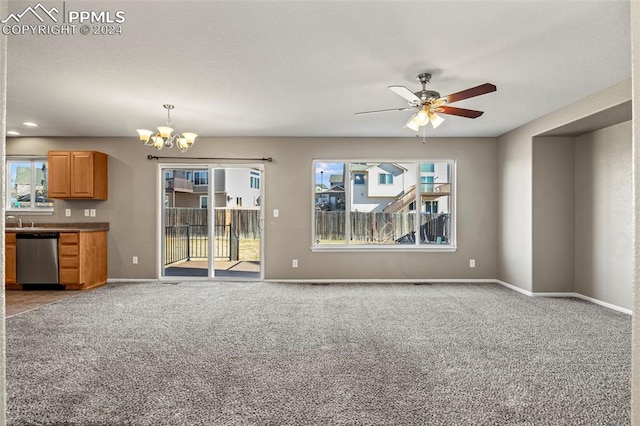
[[369, 227], [245, 222], [187, 232]]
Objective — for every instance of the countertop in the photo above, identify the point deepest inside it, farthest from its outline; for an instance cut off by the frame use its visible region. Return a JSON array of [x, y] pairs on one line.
[[60, 227]]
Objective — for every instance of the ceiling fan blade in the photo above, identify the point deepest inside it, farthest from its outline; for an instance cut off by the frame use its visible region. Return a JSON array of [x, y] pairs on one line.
[[405, 93], [462, 112], [384, 110], [470, 93]]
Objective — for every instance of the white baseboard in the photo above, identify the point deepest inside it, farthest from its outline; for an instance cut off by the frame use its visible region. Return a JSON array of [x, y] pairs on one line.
[[382, 280], [408, 281], [566, 294]]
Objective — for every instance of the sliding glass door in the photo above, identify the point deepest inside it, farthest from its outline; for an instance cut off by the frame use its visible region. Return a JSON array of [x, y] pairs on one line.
[[211, 221]]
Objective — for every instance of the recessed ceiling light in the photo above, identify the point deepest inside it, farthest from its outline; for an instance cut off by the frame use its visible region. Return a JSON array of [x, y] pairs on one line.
[[30, 124], [13, 133]]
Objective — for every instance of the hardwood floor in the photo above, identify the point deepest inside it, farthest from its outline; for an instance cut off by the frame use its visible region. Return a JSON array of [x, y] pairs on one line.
[[19, 301]]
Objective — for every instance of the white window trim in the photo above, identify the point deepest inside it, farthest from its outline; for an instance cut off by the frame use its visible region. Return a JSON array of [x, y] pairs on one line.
[[32, 211], [360, 248]]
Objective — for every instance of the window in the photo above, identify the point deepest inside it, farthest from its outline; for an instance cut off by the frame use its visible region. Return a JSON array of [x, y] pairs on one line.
[[385, 179], [204, 201], [358, 178], [330, 202], [27, 185], [254, 182], [412, 207], [201, 178]]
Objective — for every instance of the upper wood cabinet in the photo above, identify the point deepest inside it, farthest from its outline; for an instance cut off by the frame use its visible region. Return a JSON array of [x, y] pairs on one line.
[[78, 174]]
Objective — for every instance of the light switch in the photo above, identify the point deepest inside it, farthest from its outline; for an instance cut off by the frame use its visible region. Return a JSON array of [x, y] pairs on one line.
[[86, 212], [93, 212], [276, 213]]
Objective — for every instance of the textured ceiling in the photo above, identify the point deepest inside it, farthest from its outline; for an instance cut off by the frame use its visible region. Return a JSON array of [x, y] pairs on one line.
[[303, 68]]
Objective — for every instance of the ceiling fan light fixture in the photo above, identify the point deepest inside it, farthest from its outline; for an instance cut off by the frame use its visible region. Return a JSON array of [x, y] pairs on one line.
[[422, 117], [435, 120], [411, 123]]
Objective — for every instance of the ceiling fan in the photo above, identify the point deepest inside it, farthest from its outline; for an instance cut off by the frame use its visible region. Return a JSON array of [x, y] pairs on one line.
[[427, 103]]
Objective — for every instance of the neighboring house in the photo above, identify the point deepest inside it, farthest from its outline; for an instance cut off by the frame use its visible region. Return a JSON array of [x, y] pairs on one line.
[[232, 188], [237, 188], [377, 185]]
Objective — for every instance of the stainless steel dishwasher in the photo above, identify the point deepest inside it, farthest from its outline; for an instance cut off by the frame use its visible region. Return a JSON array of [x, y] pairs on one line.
[[37, 258]]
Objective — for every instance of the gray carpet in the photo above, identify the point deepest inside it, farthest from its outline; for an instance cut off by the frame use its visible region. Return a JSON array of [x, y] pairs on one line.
[[301, 354]]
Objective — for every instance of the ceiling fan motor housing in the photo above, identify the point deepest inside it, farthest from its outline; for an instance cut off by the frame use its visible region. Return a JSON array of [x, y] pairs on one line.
[[426, 96]]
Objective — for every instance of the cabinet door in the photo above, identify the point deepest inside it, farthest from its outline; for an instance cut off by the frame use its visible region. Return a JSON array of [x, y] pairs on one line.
[[59, 174], [10, 258], [82, 178]]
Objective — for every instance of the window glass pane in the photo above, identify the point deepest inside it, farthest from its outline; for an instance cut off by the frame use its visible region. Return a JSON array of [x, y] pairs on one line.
[[330, 201], [27, 185], [435, 203], [383, 210], [42, 194]]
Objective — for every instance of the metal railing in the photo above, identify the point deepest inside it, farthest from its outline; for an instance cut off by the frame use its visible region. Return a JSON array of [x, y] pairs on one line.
[[185, 242]]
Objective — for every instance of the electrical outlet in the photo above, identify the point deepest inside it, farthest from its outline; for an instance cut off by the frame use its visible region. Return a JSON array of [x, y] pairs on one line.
[[67, 212], [294, 263], [135, 260], [472, 263], [93, 213], [86, 212]]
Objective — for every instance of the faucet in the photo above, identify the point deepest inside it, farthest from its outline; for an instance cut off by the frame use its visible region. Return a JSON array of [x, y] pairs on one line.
[[17, 219]]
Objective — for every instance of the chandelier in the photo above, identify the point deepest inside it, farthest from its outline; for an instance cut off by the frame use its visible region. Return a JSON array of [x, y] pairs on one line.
[[164, 139]]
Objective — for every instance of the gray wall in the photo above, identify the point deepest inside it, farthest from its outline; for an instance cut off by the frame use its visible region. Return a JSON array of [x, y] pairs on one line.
[[553, 214], [604, 215], [515, 263], [514, 211], [132, 205]]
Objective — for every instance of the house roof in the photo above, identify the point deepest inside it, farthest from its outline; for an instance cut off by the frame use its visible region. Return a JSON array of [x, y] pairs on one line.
[[308, 66]]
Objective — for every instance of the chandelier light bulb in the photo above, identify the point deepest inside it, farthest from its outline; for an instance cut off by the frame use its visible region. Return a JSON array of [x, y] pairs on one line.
[[144, 135], [164, 139], [190, 138], [165, 131], [158, 142]]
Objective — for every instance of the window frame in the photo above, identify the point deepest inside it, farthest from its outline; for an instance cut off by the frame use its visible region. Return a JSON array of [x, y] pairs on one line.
[[347, 246], [32, 159]]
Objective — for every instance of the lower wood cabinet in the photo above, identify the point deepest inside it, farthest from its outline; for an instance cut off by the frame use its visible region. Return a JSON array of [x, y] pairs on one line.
[[83, 259], [10, 261]]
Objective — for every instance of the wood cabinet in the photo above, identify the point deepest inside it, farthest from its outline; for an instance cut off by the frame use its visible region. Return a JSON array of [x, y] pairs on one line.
[[78, 175], [10, 261], [83, 259]]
